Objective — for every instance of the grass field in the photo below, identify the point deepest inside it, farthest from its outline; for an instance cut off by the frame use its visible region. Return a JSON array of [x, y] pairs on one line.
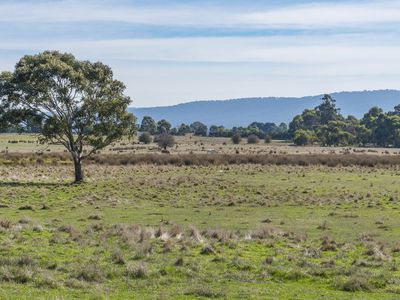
[[229, 232]]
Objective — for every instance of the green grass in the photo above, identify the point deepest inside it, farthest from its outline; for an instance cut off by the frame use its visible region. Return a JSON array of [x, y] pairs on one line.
[[247, 232]]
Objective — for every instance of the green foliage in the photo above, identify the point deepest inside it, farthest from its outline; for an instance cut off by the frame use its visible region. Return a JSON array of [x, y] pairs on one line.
[[219, 131], [329, 128], [304, 137], [335, 134]]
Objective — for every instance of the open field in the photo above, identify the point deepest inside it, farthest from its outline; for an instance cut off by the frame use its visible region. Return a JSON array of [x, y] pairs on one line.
[[189, 144], [239, 231]]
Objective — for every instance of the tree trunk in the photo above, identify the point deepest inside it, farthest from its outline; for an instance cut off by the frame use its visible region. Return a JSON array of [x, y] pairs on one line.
[[78, 170]]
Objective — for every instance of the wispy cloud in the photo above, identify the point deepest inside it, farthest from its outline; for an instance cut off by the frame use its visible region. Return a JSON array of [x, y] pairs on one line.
[[211, 49], [323, 14], [328, 15]]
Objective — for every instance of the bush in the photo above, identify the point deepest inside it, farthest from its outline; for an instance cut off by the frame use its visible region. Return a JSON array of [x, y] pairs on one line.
[[165, 140], [252, 139], [90, 272], [268, 139], [145, 138], [236, 138], [355, 283]]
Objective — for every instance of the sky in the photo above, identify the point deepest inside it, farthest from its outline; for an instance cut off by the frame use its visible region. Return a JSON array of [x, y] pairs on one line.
[[169, 51]]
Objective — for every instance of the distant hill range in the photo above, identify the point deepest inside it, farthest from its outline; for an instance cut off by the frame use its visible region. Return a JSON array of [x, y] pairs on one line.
[[242, 112]]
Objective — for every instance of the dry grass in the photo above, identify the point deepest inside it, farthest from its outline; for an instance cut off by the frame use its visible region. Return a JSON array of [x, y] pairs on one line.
[[331, 160]]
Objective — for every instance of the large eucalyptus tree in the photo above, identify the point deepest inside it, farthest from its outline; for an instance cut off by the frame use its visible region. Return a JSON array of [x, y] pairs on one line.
[[80, 103]]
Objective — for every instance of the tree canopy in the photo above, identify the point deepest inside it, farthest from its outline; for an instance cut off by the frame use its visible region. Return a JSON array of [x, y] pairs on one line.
[[326, 126]]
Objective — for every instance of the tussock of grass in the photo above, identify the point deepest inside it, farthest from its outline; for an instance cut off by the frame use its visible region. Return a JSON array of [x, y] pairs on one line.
[[137, 270]]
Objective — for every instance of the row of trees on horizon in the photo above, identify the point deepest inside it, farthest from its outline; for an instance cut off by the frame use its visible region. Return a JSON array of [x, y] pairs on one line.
[[323, 125], [261, 130]]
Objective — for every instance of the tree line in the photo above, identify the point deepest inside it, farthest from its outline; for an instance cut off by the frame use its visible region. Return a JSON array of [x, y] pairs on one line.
[[259, 129]]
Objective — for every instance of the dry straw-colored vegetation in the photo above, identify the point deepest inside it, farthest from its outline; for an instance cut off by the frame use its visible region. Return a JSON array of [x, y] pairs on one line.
[[331, 160]]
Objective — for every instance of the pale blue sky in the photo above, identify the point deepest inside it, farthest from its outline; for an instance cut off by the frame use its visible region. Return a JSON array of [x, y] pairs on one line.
[[168, 52]]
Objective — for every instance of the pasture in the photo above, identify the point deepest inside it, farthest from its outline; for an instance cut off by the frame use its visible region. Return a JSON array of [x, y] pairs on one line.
[[196, 232]]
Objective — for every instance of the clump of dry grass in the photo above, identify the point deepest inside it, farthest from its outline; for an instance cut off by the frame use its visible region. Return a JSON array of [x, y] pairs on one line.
[[328, 244], [74, 233], [205, 292], [377, 252], [95, 216], [137, 270], [354, 283], [207, 250], [266, 232], [5, 224], [118, 257], [90, 272]]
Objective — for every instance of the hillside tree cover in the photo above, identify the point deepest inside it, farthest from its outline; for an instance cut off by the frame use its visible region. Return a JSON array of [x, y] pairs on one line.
[[326, 126], [79, 103]]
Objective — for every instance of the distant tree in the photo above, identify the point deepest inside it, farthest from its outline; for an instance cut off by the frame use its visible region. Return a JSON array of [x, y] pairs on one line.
[[294, 125], [236, 138], [363, 135], [370, 117], [335, 134], [199, 129], [183, 129], [252, 139], [163, 126], [282, 132], [82, 106], [327, 110], [311, 119], [219, 131], [148, 125], [145, 138], [165, 140]]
